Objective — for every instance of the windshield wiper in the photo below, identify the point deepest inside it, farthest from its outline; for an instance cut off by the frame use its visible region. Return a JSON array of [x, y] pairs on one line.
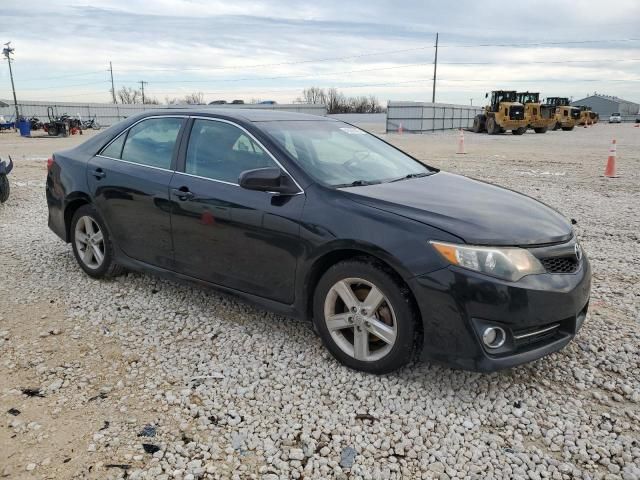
[[411, 175], [356, 183]]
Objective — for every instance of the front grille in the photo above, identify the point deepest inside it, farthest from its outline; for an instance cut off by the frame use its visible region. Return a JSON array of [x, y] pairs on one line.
[[516, 112], [560, 264], [533, 335]]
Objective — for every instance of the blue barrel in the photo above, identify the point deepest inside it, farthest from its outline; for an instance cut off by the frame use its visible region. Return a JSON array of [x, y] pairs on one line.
[[25, 128]]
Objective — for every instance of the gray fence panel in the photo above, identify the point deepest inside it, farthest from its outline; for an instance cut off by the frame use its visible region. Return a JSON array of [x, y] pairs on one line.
[[109, 113], [428, 117]]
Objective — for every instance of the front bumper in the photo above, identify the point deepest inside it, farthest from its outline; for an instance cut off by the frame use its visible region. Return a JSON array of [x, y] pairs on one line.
[[457, 305]]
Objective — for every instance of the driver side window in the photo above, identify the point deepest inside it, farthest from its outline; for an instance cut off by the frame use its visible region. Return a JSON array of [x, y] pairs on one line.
[[221, 151]]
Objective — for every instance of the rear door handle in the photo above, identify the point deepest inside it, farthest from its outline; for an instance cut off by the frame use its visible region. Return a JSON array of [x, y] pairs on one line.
[[99, 173], [183, 193]]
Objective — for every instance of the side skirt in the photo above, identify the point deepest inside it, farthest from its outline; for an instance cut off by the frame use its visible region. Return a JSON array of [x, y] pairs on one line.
[[283, 309]]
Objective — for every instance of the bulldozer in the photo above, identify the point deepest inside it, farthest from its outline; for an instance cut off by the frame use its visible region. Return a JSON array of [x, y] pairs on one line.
[[502, 114], [566, 116], [539, 116]]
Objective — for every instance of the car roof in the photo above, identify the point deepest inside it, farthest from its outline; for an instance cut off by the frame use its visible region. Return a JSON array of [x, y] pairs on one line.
[[246, 114]]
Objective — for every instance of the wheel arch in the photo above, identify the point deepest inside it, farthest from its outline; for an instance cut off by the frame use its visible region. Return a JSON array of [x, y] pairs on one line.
[[341, 253], [74, 202]]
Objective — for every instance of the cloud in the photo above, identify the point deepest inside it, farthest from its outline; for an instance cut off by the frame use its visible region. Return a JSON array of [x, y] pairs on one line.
[[221, 47]]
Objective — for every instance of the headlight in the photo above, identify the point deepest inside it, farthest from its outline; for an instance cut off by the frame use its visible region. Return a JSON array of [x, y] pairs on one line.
[[508, 263]]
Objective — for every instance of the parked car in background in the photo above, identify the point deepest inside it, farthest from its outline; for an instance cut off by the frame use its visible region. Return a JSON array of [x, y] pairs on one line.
[[238, 102], [218, 102], [615, 118], [314, 218], [267, 102]]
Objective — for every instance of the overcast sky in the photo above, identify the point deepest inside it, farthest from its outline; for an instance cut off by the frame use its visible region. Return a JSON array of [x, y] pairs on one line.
[[234, 49]]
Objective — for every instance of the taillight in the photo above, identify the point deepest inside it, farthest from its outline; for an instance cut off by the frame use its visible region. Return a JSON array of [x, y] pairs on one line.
[[49, 163]]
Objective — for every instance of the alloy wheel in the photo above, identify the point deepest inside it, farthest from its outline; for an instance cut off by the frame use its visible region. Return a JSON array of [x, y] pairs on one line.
[[360, 319], [89, 242]]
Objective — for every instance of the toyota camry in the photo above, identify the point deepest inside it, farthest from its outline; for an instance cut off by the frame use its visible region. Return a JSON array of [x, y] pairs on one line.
[[310, 217]]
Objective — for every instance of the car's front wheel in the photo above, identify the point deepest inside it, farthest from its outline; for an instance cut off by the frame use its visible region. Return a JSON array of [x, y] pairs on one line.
[[365, 317], [91, 244]]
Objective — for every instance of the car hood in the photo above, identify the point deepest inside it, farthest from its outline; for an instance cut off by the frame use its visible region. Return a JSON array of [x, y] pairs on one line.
[[477, 212]]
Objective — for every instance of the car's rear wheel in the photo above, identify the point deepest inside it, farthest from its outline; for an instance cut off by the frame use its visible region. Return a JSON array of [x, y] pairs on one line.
[[365, 316], [92, 245], [567, 129]]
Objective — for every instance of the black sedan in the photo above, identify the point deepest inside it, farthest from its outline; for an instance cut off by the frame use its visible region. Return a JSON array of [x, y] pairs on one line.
[[311, 217]]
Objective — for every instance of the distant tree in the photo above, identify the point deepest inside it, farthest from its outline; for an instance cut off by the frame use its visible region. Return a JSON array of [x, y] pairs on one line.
[[195, 98], [337, 102], [255, 100], [129, 95], [313, 95], [151, 101]]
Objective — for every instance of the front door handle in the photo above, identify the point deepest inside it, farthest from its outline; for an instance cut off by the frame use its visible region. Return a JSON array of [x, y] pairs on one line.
[[99, 173], [183, 193]]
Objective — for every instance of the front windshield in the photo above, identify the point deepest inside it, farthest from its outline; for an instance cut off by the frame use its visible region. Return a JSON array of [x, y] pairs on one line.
[[340, 155]]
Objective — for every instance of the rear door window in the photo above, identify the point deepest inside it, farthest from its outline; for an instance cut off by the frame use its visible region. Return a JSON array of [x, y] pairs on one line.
[[152, 142], [114, 150]]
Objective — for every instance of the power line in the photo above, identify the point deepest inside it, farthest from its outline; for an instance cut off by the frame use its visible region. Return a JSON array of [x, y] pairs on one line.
[[383, 52], [39, 79], [394, 67]]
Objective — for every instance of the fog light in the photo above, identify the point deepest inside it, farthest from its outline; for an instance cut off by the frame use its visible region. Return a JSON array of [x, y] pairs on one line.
[[493, 337]]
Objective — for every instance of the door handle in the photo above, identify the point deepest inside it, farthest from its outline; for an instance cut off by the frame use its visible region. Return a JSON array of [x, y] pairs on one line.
[[99, 173], [183, 193]]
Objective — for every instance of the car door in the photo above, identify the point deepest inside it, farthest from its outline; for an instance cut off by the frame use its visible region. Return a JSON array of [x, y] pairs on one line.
[[129, 181], [243, 239]]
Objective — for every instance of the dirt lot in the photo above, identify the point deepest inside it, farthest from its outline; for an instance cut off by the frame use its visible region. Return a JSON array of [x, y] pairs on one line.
[[144, 378]]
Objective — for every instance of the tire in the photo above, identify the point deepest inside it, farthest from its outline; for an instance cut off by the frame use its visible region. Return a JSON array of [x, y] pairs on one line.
[[556, 126], [519, 131], [478, 125], [395, 318], [567, 129], [491, 126], [540, 130], [4, 188], [91, 263]]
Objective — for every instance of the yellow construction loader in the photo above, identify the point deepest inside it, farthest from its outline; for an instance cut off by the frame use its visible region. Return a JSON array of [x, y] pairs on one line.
[[539, 116], [502, 114], [587, 116], [566, 116]]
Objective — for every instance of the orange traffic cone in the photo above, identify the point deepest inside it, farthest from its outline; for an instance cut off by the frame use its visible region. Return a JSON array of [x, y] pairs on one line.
[[610, 171], [461, 144], [400, 130]]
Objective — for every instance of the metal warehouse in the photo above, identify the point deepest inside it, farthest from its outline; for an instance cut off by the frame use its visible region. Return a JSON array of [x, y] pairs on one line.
[[605, 105]]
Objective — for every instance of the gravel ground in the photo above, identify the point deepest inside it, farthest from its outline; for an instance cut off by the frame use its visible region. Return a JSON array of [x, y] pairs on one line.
[[144, 378]]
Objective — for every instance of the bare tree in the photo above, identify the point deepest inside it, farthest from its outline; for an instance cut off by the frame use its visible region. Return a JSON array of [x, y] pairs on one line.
[[129, 95], [195, 98], [337, 102], [314, 95]]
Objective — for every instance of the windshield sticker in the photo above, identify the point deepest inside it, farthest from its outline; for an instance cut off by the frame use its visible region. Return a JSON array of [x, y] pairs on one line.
[[352, 131]]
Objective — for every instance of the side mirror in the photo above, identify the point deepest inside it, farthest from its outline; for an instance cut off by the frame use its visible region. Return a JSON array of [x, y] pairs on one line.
[[269, 179]]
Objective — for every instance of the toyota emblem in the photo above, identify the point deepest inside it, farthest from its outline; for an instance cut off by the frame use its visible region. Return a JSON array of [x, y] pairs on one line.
[[578, 250]]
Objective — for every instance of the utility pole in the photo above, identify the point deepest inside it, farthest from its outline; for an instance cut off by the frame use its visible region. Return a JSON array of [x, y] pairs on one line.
[[435, 68], [113, 88], [7, 52], [471, 101], [142, 84]]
